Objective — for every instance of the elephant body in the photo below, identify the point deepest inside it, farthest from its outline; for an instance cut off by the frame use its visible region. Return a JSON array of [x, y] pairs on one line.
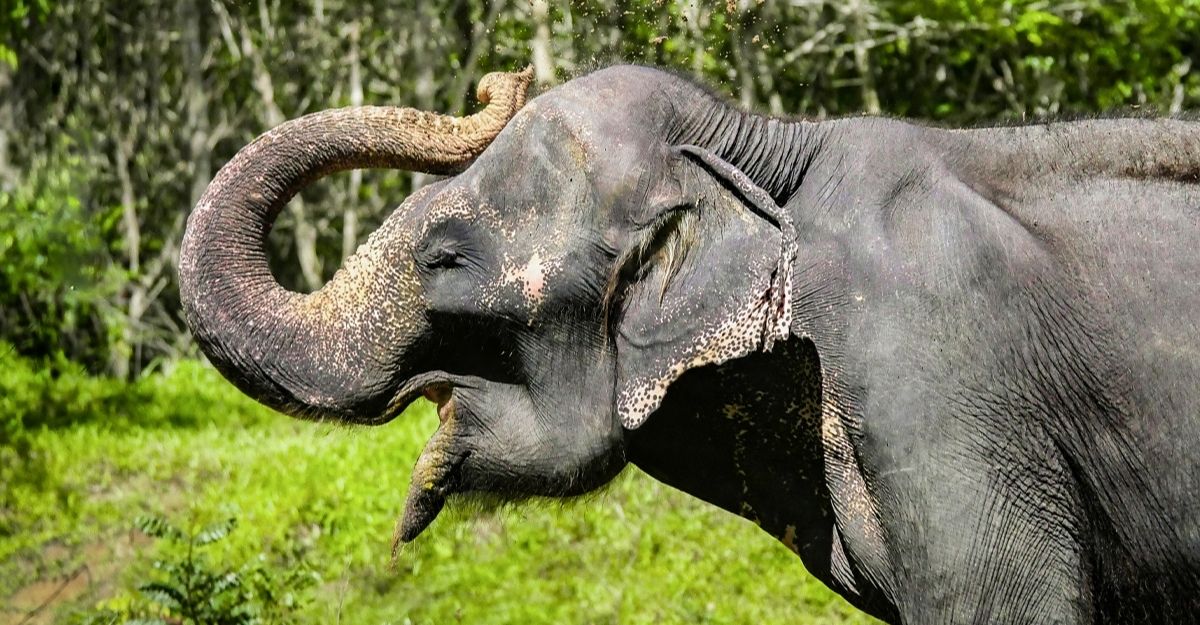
[[956, 371], [1008, 353]]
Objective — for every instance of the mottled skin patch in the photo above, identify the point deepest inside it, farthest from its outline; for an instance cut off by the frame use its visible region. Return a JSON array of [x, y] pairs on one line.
[[530, 280], [456, 202], [737, 336]]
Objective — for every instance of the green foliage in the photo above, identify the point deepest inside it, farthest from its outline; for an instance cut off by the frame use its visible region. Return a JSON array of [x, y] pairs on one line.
[[53, 394], [14, 22], [973, 61], [57, 393], [55, 279], [189, 588]]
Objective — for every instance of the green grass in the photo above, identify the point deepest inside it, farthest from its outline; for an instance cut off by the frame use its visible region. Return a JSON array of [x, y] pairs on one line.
[[638, 552]]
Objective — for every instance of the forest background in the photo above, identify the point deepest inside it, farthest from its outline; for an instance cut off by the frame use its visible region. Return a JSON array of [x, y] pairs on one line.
[[115, 115]]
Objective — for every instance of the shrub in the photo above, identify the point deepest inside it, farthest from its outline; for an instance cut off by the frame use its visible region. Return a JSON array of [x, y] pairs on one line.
[[56, 278], [190, 588]]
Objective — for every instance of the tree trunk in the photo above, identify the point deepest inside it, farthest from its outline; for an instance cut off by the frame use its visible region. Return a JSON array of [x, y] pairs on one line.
[[476, 32], [691, 12], [741, 50], [350, 211], [201, 136], [8, 177], [133, 296], [543, 63], [862, 61]]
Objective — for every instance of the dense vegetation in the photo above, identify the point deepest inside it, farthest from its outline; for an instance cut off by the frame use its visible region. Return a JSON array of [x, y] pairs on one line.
[[115, 115]]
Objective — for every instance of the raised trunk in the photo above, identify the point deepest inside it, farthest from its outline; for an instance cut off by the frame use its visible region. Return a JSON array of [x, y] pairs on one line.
[[340, 351]]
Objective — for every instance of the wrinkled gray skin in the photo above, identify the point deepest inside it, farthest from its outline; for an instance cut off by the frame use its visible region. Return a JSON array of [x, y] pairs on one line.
[[984, 403]]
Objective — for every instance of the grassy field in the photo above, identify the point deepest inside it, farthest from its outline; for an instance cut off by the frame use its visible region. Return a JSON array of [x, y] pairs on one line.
[[190, 448]]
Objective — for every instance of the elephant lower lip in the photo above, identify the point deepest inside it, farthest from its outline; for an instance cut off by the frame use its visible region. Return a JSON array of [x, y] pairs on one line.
[[420, 510], [436, 475]]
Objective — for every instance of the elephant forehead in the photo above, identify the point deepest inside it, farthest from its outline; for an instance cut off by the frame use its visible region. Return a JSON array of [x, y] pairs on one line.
[[559, 147], [460, 203], [546, 129]]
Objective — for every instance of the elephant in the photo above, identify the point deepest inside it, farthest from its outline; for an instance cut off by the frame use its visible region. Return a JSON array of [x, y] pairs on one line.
[[955, 370]]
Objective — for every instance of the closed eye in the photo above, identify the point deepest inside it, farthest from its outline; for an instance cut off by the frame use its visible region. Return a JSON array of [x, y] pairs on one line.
[[450, 244], [444, 257]]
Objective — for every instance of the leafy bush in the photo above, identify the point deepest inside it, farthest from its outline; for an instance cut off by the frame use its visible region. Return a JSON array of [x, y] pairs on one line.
[[55, 277], [189, 588], [968, 61]]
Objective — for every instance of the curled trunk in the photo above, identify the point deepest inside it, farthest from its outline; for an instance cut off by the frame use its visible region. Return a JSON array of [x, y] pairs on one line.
[[339, 351]]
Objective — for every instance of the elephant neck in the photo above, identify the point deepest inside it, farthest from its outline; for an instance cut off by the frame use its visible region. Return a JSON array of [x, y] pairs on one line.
[[775, 153]]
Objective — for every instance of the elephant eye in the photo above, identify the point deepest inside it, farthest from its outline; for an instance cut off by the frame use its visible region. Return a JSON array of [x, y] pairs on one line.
[[444, 257], [450, 244]]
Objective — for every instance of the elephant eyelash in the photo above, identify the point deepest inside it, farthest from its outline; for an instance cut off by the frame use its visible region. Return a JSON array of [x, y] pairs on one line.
[[444, 258]]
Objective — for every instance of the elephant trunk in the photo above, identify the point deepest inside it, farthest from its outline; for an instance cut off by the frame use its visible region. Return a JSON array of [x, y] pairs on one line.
[[340, 351]]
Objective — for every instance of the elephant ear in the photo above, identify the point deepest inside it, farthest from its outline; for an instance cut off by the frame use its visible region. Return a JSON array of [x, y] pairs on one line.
[[715, 286]]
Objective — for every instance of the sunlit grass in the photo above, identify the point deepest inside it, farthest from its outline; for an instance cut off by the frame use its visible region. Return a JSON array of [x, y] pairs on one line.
[[639, 552]]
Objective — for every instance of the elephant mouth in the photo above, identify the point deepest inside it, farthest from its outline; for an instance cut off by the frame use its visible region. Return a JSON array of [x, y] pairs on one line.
[[436, 386]]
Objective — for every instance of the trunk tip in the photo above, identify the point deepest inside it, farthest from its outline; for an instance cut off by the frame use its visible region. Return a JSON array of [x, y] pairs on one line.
[[498, 86]]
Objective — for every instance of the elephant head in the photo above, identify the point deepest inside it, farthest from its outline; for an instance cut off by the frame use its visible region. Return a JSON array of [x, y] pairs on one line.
[[616, 232]]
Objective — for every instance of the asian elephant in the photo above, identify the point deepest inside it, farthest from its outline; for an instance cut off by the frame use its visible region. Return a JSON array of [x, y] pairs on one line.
[[957, 371]]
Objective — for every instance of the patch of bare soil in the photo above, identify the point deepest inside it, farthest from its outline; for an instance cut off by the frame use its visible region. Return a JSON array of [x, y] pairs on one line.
[[38, 602]]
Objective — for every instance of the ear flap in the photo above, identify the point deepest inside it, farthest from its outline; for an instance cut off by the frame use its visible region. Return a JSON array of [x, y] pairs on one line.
[[718, 287]]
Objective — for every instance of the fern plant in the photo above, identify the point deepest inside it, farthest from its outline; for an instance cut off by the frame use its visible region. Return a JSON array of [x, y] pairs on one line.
[[190, 589]]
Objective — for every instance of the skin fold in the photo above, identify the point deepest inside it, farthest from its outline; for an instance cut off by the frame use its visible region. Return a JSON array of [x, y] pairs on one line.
[[957, 372]]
